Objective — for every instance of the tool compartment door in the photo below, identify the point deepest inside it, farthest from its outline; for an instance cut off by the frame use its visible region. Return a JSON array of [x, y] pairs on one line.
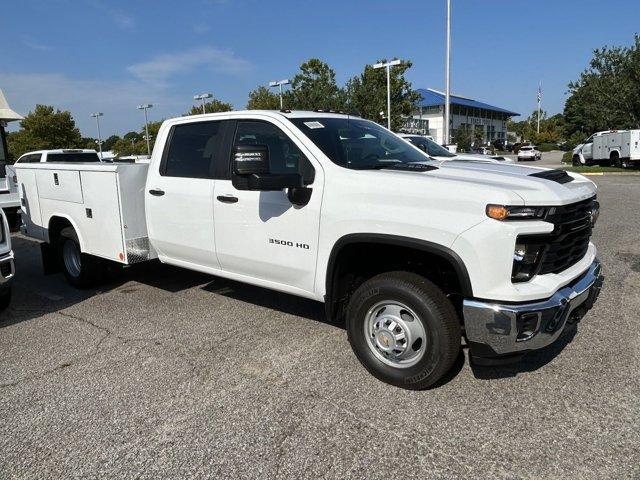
[[100, 221], [63, 185]]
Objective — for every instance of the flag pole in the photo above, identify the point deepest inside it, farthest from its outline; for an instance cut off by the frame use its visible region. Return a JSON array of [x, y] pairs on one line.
[[539, 98]]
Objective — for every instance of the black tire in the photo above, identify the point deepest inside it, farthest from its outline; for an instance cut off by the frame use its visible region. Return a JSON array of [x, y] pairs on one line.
[[5, 299], [435, 313], [89, 269], [615, 160], [575, 161]]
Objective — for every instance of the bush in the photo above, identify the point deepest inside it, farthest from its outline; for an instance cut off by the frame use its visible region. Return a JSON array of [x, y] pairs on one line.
[[567, 157], [547, 147]]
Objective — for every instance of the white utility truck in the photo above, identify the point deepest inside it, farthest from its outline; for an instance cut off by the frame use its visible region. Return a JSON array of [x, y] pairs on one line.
[[9, 198], [412, 253], [620, 148]]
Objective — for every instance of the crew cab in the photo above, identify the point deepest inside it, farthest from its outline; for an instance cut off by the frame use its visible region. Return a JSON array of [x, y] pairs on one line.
[[529, 152], [438, 152], [7, 268], [414, 255]]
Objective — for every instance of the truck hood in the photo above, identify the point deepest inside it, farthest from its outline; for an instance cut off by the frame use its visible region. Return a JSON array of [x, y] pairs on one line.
[[512, 180]]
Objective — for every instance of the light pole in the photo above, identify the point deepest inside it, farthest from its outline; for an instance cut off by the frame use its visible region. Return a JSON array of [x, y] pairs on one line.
[[146, 124], [97, 116], [279, 84], [447, 78], [202, 97], [388, 66]]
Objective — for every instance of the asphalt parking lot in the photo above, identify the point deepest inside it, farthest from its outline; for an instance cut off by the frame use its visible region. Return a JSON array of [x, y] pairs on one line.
[[167, 373]]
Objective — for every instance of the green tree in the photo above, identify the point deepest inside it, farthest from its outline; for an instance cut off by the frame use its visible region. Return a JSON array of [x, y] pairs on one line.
[[110, 142], [134, 143], [315, 88], [607, 94], [213, 106], [43, 129], [463, 138], [263, 99], [367, 94]]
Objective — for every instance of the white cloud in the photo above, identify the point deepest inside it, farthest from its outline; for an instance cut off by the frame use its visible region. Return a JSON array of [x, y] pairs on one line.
[[120, 19], [160, 68], [33, 44], [117, 100]]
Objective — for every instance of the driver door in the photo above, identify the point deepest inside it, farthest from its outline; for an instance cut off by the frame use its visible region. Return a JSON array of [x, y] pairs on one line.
[[587, 149], [261, 234]]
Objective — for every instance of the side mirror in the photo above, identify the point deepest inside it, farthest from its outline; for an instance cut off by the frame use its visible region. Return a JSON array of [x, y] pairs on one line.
[[251, 171]]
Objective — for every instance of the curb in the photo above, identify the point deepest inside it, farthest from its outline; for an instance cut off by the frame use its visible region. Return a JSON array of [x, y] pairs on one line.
[[629, 174]]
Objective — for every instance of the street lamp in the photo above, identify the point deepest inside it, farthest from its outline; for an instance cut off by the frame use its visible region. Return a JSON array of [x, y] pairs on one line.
[[388, 66], [146, 124], [97, 116], [202, 97], [447, 79], [279, 84]]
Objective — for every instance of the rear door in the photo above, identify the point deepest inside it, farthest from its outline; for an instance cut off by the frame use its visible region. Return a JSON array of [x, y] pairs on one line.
[[262, 234], [179, 195]]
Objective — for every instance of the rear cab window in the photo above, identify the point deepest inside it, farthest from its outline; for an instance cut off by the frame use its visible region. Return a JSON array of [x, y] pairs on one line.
[[193, 150], [71, 157]]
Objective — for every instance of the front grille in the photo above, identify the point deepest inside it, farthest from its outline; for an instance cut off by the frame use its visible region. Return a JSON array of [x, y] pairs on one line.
[[569, 241]]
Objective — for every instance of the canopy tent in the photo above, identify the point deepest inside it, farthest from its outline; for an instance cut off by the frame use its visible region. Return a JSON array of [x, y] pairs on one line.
[[6, 114]]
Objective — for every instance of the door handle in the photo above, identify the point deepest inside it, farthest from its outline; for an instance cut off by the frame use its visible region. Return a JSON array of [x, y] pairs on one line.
[[156, 192], [227, 199]]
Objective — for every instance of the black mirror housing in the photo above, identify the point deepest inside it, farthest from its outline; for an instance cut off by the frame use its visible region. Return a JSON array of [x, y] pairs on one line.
[[268, 182], [250, 159]]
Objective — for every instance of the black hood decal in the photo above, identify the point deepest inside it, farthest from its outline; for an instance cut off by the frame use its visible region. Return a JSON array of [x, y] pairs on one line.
[[558, 176]]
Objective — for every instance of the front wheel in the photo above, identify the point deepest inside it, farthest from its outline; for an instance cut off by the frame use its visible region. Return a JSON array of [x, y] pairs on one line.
[[403, 329]]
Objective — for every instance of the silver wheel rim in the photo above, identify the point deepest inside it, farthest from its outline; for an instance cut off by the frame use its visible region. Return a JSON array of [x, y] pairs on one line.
[[71, 257], [395, 334]]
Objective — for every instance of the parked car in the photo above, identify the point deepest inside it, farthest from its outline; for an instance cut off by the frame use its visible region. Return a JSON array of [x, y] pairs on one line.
[[66, 155], [620, 148], [411, 253], [439, 152], [7, 267], [528, 152]]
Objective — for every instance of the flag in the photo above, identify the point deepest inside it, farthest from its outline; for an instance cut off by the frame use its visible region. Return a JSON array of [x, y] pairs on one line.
[[539, 92]]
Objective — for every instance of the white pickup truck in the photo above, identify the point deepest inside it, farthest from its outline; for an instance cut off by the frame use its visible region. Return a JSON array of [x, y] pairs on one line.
[[415, 255], [620, 148]]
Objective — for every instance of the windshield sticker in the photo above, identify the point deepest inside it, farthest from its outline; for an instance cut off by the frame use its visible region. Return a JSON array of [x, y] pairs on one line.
[[314, 124]]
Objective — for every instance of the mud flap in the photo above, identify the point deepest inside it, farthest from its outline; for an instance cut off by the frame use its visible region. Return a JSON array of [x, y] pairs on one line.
[[50, 263]]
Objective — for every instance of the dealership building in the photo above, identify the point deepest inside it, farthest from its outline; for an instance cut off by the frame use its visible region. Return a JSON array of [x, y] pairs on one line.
[[488, 121]]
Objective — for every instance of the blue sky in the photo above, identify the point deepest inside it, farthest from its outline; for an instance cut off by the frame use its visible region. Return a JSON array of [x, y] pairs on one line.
[[109, 56]]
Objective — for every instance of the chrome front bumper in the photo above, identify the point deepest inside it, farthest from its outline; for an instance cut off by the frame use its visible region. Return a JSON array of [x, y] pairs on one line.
[[7, 270], [495, 330]]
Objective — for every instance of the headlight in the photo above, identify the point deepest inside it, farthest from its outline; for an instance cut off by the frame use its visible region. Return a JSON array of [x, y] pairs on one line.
[[502, 212], [525, 261]]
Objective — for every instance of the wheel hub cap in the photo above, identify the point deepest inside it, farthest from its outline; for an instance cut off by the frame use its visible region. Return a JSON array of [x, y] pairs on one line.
[[395, 334]]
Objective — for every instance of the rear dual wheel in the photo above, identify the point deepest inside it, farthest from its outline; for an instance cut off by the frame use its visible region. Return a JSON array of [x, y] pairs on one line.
[[403, 329], [80, 270]]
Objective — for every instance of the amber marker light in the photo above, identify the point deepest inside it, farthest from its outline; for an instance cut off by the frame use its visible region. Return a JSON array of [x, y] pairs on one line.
[[498, 212]]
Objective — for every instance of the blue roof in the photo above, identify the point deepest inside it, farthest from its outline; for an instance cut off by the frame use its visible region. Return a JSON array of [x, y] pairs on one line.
[[431, 98]]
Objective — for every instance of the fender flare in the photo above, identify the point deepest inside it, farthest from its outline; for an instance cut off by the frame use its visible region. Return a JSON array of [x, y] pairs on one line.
[[444, 252], [73, 224]]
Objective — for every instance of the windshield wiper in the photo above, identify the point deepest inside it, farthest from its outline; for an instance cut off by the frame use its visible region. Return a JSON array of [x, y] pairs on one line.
[[413, 166]]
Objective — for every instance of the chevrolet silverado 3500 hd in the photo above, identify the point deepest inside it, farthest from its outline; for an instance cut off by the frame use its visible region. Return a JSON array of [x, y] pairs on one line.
[[412, 253]]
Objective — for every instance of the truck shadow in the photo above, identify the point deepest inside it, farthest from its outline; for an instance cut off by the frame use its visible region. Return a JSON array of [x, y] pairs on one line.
[[279, 301], [529, 363]]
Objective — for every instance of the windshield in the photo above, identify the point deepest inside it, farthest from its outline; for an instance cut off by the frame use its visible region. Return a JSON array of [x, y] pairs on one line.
[[73, 157], [429, 146], [358, 144]]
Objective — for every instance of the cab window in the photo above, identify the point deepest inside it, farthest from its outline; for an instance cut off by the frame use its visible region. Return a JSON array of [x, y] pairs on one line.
[[284, 155], [192, 150]]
